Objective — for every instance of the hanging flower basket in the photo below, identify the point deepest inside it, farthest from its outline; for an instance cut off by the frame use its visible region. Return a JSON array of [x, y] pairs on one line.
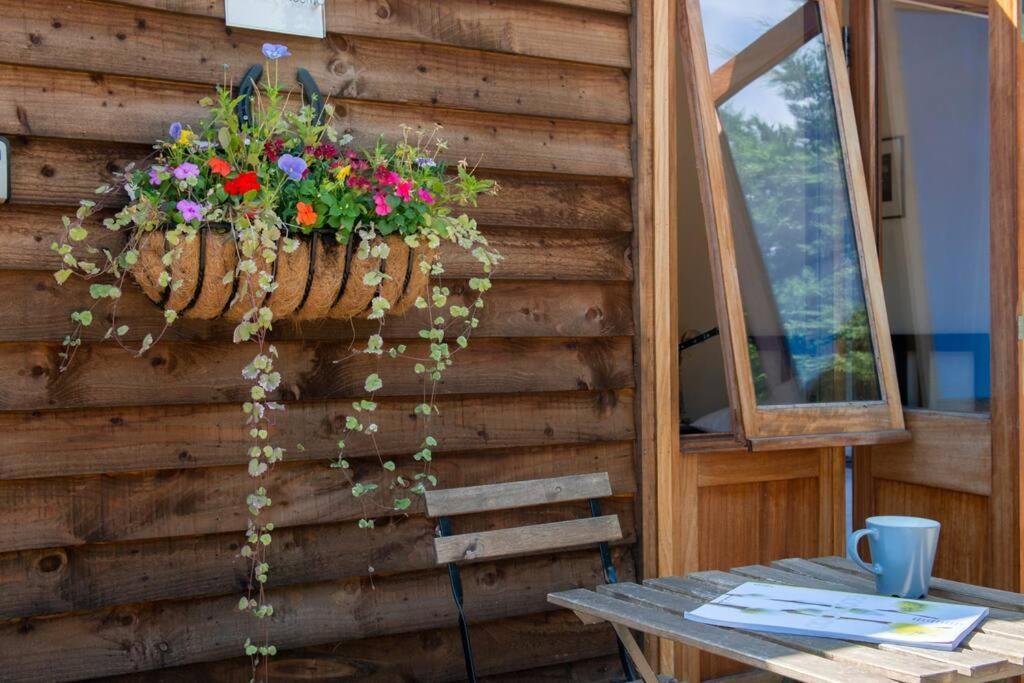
[[320, 279]]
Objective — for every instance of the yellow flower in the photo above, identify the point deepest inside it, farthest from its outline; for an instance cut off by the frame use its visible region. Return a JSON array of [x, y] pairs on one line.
[[343, 172], [185, 137]]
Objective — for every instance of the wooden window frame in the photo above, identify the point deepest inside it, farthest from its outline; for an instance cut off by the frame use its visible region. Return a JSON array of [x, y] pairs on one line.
[[776, 427]]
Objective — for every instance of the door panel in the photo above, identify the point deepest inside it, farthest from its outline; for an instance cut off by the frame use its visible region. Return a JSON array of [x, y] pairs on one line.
[[933, 210], [753, 508]]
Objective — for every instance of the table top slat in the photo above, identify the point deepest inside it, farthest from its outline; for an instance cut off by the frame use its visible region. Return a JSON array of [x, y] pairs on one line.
[[961, 592], [1000, 622], [894, 665], [994, 651], [730, 643], [967, 662]]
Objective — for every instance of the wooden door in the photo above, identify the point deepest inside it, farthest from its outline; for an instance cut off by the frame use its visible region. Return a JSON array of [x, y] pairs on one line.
[[957, 351]]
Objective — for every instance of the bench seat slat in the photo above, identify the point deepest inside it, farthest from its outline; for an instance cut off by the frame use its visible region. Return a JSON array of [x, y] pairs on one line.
[[517, 494], [526, 540]]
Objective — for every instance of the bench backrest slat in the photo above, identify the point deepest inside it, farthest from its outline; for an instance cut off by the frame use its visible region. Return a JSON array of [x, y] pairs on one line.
[[527, 540], [519, 494]]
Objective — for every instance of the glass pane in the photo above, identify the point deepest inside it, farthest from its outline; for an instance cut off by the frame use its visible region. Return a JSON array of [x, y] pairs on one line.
[[732, 25], [703, 396], [796, 250], [935, 227]]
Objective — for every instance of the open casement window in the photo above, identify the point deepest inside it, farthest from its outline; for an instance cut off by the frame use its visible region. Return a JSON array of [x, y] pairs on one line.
[[799, 301]]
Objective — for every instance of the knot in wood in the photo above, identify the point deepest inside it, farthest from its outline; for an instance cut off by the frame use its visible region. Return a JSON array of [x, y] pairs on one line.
[[52, 562], [383, 9], [338, 42]]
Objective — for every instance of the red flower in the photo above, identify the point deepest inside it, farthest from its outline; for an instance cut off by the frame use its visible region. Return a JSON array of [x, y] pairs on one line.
[[242, 183], [273, 149], [219, 166], [358, 182]]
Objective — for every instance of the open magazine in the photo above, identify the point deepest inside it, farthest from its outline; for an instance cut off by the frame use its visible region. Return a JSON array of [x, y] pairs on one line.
[[775, 608]]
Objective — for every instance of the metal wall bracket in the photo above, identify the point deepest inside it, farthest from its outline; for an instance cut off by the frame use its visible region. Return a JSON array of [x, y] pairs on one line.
[[5, 170]]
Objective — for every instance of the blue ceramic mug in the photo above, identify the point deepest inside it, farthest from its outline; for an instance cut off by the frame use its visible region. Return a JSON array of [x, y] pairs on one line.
[[903, 551]]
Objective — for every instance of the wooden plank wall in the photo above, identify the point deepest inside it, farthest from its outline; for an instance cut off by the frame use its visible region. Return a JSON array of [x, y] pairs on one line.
[[122, 481]]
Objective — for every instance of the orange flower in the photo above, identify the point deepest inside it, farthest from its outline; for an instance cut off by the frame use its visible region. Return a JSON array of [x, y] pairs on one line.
[[306, 216], [219, 166]]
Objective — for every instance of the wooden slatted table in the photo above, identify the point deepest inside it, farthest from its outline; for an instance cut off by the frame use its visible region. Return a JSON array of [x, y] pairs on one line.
[[994, 651]]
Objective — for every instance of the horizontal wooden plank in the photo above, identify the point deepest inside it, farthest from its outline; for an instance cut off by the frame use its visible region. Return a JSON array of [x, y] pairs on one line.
[[104, 375], [26, 234], [63, 443], [517, 26], [102, 37], [527, 540], [599, 670], [47, 581], [50, 171], [549, 637], [466, 500], [734, 644], [150, 636], [38, 309], [951, 451], [73, 105], [741, 467], [617, 6], [69, 511], [837, 439]]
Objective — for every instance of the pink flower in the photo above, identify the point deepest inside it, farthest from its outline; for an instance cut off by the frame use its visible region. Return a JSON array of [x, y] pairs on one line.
[[404, 190], [386, 177], [383, 208], [425, 196], [154, 175]]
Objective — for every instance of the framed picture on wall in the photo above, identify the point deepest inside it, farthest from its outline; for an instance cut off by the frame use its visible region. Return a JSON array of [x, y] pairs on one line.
[[891, 172]]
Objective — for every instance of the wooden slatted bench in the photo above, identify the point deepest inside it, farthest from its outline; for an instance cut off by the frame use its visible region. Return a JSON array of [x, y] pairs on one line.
[[452, 549], [993, 652]]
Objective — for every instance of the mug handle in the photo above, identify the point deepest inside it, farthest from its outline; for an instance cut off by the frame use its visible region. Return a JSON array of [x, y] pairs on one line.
[[855, 555]]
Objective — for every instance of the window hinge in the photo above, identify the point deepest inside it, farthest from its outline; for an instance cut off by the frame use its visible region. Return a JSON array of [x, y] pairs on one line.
[[1020, 327], [846, 44]]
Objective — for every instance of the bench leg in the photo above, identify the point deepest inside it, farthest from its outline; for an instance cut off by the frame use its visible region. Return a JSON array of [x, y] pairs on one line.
[[636, 654]]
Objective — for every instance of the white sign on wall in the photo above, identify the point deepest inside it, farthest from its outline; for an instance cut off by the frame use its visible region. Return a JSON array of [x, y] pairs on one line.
[[297, 17]]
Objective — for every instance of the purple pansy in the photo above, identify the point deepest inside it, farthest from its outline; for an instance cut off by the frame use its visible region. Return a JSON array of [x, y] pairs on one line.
[[154, 175], [293, 166], [425, 162], [186, 170], [272, 51], [175, 130], [190, 211]]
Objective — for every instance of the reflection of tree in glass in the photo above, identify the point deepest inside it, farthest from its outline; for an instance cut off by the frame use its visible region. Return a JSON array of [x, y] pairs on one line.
[[791, 174]]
